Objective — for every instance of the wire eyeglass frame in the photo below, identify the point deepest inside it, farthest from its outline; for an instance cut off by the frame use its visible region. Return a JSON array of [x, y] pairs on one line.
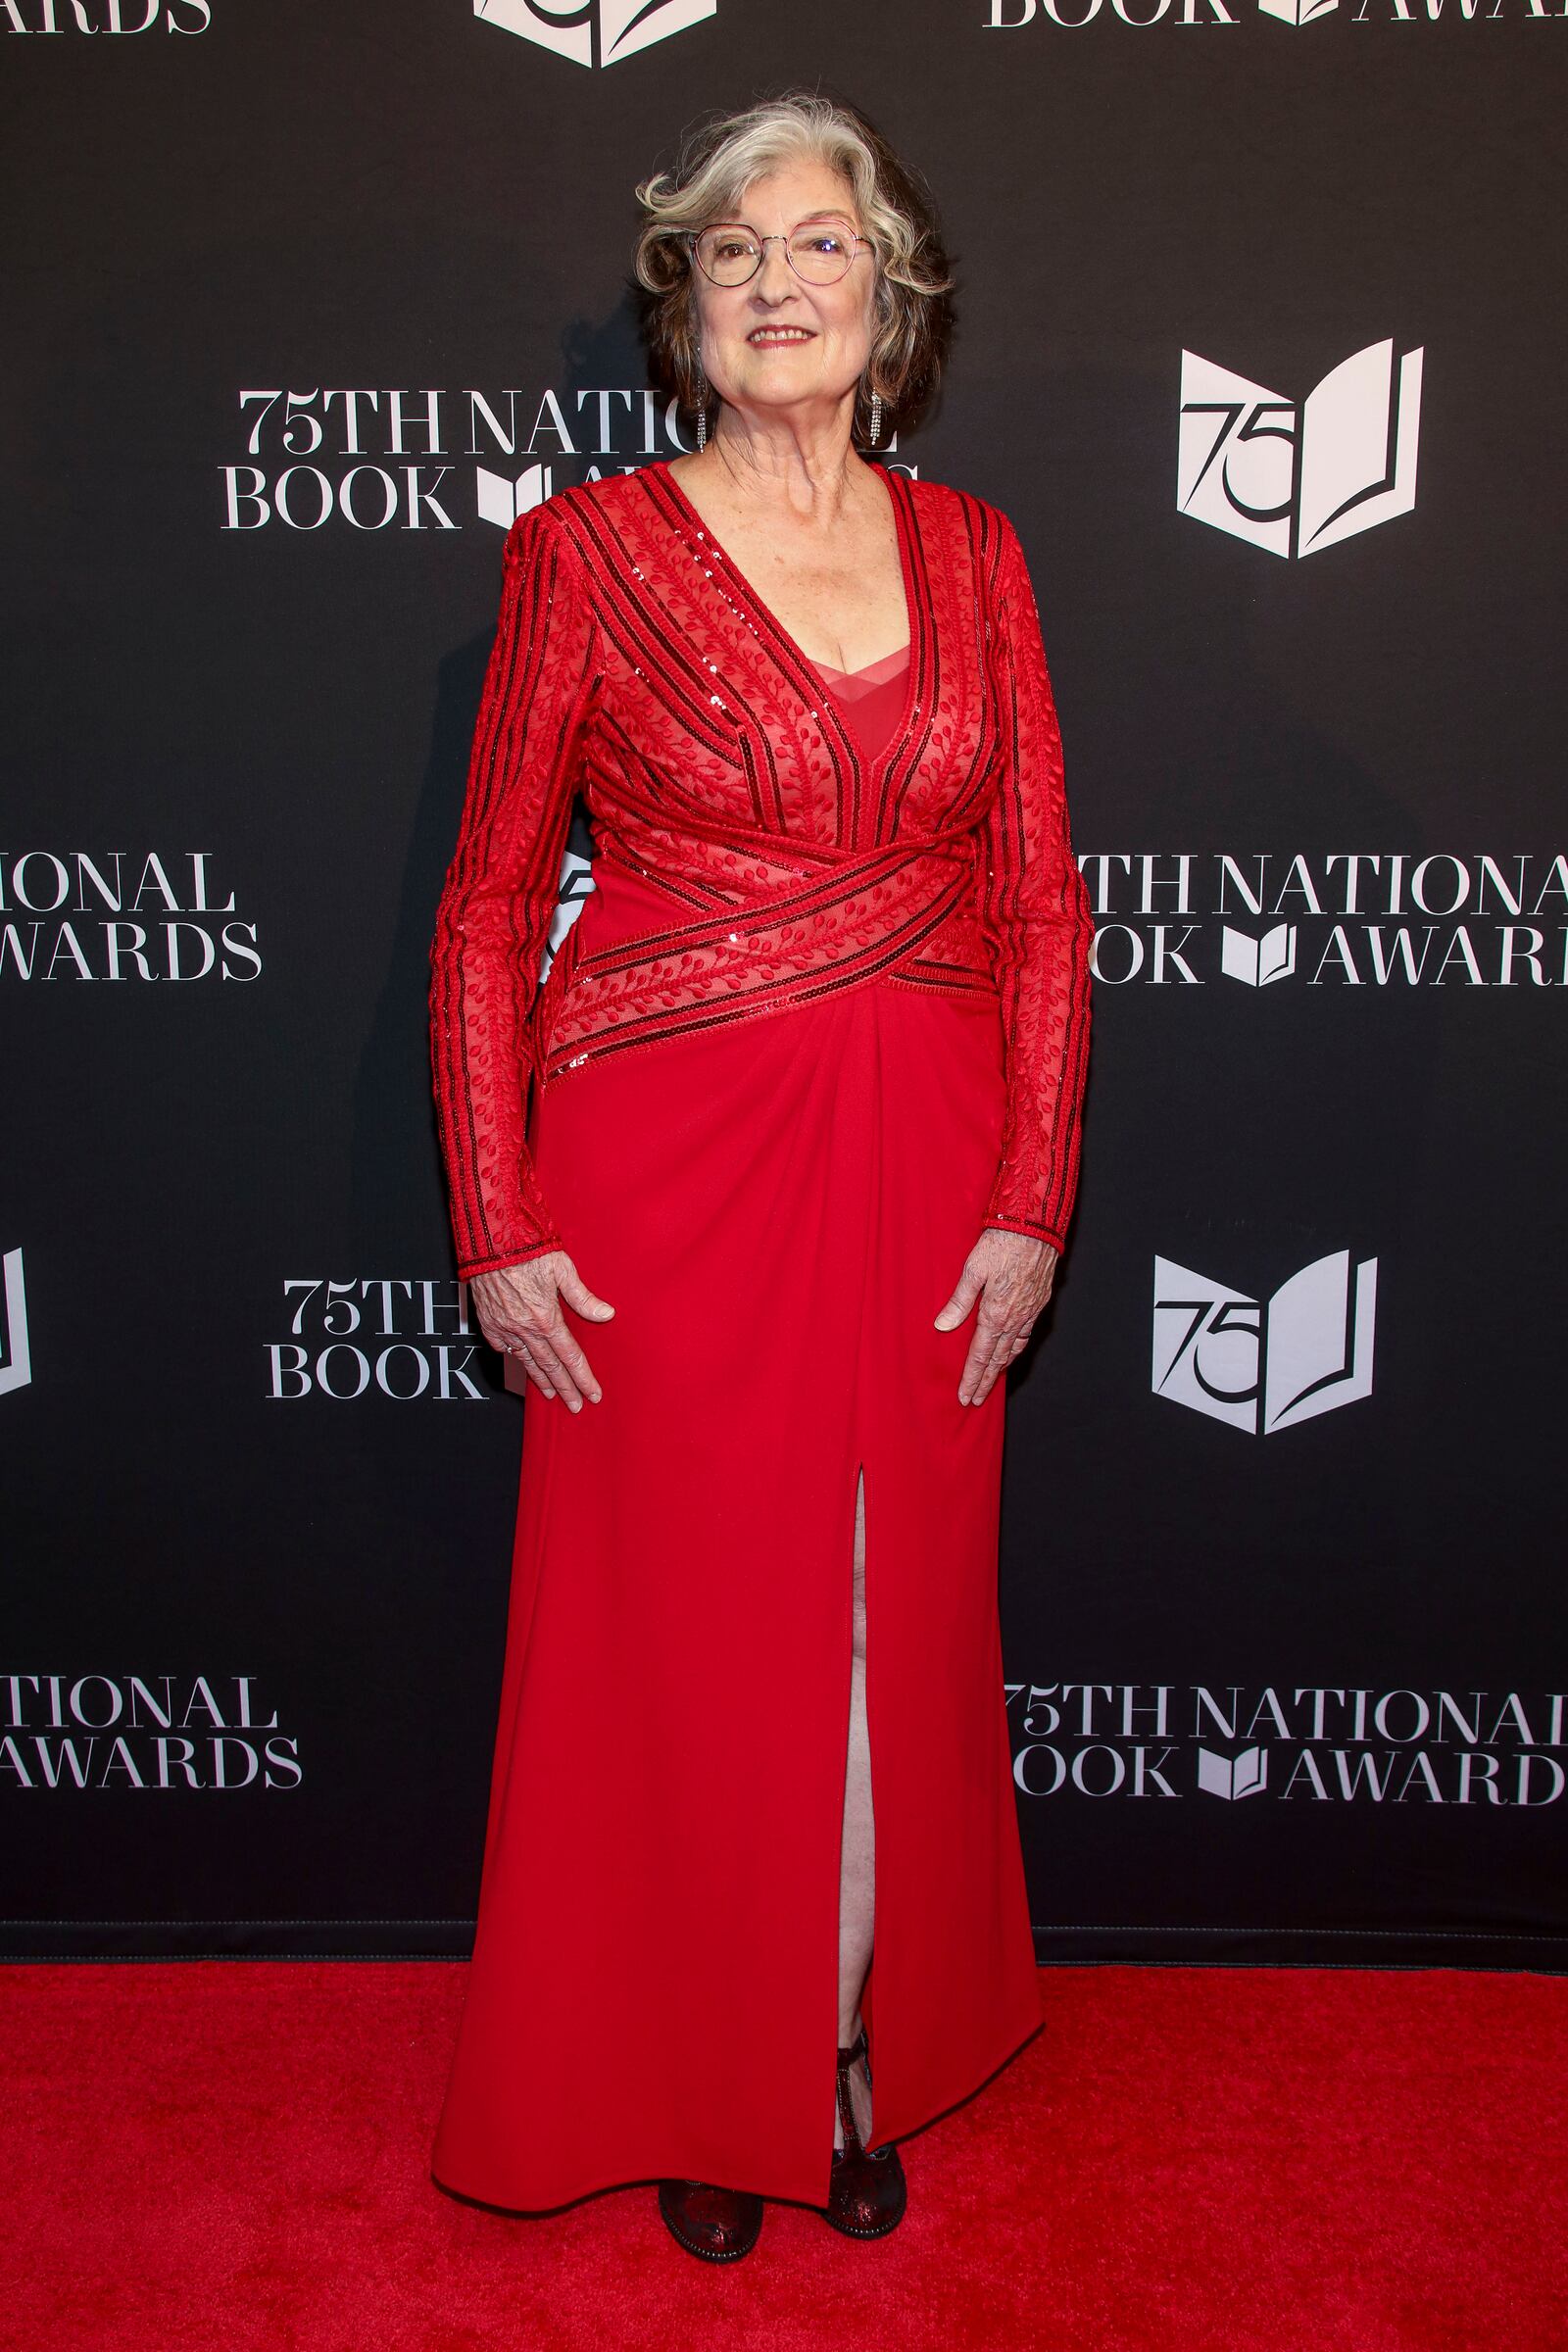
[[854, 243]]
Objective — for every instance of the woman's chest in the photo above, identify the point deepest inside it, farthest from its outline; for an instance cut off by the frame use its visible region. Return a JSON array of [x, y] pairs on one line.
[[843, 604], [708, 697]]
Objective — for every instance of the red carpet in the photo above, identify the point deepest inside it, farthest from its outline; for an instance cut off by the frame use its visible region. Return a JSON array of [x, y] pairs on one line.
[[214, 2156]]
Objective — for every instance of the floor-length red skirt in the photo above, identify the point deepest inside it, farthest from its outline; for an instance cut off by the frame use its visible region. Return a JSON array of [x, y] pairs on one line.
[[777, 1209]]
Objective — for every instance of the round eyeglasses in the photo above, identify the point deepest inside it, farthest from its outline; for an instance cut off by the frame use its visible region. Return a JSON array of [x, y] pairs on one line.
[[820, 252]]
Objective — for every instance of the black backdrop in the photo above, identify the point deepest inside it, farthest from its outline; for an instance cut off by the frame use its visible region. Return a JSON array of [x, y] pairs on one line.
[[258, 1526]]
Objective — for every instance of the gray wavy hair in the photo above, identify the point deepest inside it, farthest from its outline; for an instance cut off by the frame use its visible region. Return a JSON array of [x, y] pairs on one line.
[[719, 157]]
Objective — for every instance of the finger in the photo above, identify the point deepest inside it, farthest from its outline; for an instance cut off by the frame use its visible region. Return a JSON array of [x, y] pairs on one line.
[[569, 1354], [580, 1298], [529, 1345], [991, 1355], [981, 1343], [966, 1292], [542, 1352], [532, 1371], [520, 1346], [1004, 1358], [516, 1352], [974, 1366]]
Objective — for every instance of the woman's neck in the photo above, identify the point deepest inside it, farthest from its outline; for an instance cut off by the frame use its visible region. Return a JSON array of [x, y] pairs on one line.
[[805, 471]]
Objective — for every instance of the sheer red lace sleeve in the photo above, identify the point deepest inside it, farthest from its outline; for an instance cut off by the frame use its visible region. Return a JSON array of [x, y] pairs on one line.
[[1036, 921], [500, 895]]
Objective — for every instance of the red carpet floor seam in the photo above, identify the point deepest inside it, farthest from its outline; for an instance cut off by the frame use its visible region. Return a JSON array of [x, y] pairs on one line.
[[221, 2156]]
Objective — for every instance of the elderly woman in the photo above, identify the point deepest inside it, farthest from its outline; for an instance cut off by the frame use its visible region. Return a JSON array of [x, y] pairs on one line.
[[765, 1188]]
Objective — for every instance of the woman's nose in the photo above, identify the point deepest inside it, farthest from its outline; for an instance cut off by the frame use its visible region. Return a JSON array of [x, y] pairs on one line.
[[775, 277]]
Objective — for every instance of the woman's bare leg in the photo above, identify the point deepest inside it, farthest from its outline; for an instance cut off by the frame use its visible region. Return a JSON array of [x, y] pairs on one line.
[[856, 1867]]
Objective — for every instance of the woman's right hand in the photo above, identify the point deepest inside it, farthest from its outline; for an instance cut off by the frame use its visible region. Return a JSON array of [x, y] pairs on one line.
[[519, 1315]]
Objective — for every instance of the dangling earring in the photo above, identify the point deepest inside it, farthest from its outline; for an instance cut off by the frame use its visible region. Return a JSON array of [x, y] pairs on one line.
[[875, 434], [702, 405]]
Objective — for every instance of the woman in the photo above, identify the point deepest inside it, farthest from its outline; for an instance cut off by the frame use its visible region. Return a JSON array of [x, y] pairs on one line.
[[805, 1084]]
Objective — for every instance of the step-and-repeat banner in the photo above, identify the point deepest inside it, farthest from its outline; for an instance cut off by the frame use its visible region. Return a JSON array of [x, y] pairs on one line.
[[1263, 347]]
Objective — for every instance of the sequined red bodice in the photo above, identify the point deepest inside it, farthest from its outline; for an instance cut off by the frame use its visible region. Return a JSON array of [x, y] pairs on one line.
[[801, 835]]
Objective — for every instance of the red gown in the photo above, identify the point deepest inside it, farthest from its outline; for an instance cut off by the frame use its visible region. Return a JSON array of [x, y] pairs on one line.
[[823, 1017]]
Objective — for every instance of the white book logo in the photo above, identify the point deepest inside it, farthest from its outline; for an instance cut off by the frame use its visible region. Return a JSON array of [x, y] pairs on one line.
[[1297, 12], [1258, 962], [501, 500], [1265, 1365], [1220, 1776], [1294, 478], [572, 892], [623, 27], [16, 1363]]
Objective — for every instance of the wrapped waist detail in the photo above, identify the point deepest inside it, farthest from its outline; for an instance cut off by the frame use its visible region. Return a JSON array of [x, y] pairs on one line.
[[903, 910]]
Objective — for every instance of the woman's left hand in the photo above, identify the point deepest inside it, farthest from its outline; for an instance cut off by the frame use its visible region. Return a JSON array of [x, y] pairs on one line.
[[1010, 1274]]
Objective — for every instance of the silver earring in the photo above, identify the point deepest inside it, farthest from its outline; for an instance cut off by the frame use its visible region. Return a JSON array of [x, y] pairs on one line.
[[702, 405], [875, 434]]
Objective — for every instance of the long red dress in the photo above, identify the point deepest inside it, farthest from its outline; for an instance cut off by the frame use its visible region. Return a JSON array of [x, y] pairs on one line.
[[823, 1017]]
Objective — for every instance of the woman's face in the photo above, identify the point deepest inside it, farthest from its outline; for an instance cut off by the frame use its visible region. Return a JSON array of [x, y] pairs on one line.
[[777, 343]]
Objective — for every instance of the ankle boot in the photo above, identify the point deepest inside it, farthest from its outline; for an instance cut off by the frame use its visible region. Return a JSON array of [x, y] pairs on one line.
[[867, 2193], [717, 2225]]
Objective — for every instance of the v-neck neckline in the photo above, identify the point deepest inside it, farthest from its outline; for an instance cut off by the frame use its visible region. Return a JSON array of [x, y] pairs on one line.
[[897, 493]]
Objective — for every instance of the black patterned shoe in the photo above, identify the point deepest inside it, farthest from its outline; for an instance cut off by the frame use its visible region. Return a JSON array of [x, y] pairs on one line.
[[717, 2225], [867, 2194]]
